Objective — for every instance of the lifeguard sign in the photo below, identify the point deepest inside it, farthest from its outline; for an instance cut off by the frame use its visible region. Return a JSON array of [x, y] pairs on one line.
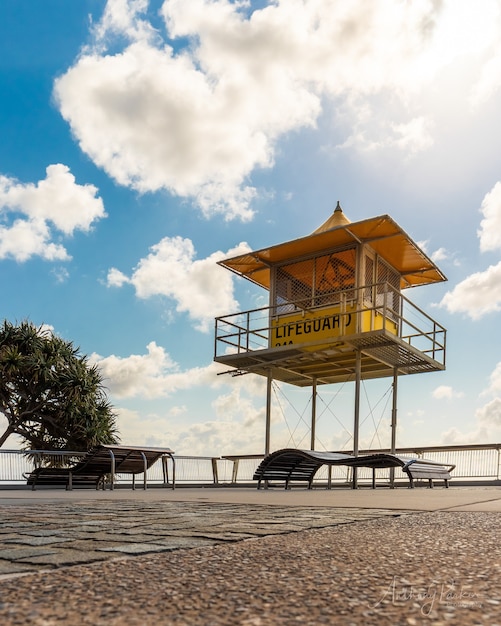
[[336, 309]]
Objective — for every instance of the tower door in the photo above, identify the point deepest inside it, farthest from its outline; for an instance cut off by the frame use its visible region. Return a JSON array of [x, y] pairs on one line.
[[369, 277], [381, 292]]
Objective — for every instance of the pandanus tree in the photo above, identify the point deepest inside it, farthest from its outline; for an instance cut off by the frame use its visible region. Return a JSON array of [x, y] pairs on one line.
[[50, 395]]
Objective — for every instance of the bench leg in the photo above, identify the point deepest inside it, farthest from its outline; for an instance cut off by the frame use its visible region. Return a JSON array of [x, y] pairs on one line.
[[145, 470]]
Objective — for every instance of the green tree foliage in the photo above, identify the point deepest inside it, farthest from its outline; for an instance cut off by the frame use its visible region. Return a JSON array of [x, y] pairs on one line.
[[50, 395]]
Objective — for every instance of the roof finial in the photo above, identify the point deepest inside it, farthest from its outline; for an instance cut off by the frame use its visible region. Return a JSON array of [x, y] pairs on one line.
[[336, 219]]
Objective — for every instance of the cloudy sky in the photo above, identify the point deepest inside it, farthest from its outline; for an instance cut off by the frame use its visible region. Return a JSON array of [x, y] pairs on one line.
[[141, 142]]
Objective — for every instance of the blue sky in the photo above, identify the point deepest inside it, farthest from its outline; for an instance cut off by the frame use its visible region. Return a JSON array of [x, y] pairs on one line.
[[141, 142]]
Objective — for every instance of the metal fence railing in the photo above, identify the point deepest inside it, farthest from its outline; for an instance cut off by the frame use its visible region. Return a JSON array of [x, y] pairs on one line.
[[474, 464]]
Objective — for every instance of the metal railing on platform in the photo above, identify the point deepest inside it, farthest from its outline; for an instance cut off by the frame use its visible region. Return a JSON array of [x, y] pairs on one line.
[[249, 331], [474, 464]]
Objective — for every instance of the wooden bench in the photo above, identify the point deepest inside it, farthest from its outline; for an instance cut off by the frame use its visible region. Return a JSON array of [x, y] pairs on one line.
[[102, 462], [291, 465]]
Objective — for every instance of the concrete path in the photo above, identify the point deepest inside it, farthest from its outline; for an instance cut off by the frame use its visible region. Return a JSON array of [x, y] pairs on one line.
[[409, 546], [402, 498]]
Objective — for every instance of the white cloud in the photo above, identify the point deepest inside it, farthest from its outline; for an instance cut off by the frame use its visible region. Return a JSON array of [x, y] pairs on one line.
[[122, 18], [439, 255], [150, 429], [199, 287], [234, 419], [198, 110], [477, 295], [151, 375], [487, 417], [238, 425], [60, 274], [116, 278], [215, 437], [175, 411], [490, 414], [489, 81], [410, 136], [490, 226], [413, 136], [23, 239], [152, 121], [494, 381], [445, 392], [220, 438], [232, 423], [33, 214], [137, 374], [481, 434], [480, 293]]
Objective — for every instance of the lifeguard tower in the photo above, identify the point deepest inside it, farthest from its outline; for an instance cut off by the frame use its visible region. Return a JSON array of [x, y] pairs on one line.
[[336, 312]]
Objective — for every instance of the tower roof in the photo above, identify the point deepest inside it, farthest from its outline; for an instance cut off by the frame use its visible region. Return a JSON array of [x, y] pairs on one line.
[[382, 233]]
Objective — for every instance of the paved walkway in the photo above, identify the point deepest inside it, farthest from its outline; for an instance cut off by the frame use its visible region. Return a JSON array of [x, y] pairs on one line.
[[37, 536], [241, 556]]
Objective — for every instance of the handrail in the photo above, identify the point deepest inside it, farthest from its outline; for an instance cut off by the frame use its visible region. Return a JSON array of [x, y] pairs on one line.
[[247, 331]]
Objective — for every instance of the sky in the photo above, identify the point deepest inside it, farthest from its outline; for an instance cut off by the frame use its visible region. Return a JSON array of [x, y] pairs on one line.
[[141, 142]]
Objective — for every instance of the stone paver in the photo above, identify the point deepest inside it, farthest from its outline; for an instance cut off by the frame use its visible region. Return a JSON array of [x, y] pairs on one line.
[[38, 536]]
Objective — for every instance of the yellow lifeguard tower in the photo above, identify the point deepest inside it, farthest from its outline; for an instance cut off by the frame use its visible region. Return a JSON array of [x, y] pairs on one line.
[[336, 311]]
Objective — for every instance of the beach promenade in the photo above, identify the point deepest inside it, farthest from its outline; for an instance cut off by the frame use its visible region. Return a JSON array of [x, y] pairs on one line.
[[224, 556]]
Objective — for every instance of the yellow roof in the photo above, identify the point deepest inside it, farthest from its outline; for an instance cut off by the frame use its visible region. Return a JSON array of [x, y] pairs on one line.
[[382, 233]]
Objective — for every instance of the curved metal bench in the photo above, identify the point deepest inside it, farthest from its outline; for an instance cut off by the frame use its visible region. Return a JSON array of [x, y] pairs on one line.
[[291, 465], [102, 461]]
